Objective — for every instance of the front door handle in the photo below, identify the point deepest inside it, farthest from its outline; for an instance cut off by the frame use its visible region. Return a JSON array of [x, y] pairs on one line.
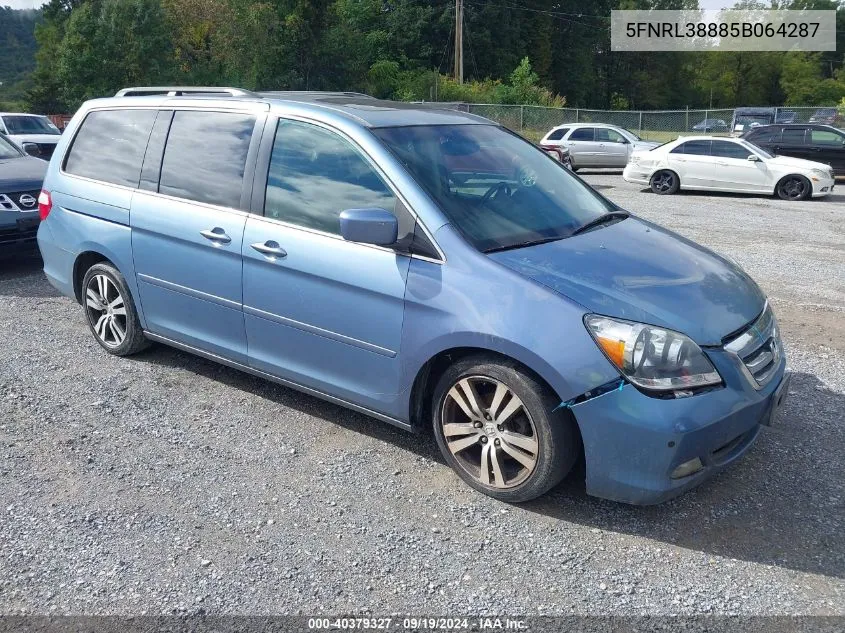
[[216, 235], [270, 248]]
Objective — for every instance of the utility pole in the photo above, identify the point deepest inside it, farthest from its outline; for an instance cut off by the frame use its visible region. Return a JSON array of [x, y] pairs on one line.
[[459, 41]]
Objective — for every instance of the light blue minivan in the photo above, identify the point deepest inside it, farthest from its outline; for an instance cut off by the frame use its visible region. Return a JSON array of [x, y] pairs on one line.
[[425, 267]]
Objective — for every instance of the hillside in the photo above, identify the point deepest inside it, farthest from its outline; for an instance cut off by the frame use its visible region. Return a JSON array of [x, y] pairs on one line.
[[17, 49]]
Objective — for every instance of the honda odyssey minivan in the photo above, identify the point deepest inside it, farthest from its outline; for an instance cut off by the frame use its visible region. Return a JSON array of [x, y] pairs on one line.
[[364, 252]]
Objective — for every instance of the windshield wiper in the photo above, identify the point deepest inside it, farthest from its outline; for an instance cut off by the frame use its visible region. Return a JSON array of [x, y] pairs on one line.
[[602, 219], [508, 247]]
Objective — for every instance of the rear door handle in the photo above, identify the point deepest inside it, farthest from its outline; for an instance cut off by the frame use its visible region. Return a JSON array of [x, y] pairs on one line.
[[270, 248], [216, 235]]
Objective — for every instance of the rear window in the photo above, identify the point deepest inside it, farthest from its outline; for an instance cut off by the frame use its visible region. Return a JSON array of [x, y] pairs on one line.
[[556, 135], [205, 156], [701, 148], [110, 146]]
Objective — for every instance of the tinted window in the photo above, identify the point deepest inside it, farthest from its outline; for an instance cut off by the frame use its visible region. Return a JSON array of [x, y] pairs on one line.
[[793, 136], [497, 189], [606, 135], [315, 174], [764, 136], [205, 156], [701, 148], [826, 137], [726, 149], [110, 146], [558, 134], [582, 134]]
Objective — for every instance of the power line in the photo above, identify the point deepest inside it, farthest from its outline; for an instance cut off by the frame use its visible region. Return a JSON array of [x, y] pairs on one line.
[[557, 16]]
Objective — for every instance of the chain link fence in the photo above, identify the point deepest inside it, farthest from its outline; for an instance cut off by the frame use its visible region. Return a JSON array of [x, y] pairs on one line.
[[656, 125]]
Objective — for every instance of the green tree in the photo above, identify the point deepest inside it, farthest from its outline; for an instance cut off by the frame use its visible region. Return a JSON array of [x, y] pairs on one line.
[[110, 44]]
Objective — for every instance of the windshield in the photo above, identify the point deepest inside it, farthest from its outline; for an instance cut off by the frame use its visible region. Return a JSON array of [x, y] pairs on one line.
[[7, 150], [748, 119], [23, 124], [496, 188], [755, 148]]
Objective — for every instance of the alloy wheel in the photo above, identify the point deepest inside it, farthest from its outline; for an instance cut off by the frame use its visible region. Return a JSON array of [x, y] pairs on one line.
[[794, 188], [489, 431], [664, 181], [106, 310]]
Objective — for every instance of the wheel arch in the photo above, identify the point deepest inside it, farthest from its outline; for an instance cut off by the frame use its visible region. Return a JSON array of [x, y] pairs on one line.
[[793, 175], [81, 264], [429, 374]]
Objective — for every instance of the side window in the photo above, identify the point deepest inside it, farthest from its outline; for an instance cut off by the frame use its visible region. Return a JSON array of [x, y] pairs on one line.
[[110, 145], [726, 149], [315, 174], [700, 148], [606, 135], [556, 135], [793, 136], [205, 156], [582, 134], [765, 136], [826, 137]]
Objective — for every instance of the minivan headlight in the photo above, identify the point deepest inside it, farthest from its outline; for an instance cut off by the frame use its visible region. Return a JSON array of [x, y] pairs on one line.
[[652, 357]]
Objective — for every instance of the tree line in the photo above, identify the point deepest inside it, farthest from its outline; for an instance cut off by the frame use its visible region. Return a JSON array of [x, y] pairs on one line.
[[546, 52]]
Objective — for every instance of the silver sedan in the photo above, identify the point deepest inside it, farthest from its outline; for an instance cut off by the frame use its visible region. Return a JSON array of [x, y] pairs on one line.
[[595, 144]]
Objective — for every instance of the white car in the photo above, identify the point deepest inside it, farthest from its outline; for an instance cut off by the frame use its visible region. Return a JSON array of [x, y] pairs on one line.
[[31, 128], [727, 164], [595, 144]]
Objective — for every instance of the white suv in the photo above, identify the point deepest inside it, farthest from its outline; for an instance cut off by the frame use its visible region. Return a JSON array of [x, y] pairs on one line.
[[595, 144]]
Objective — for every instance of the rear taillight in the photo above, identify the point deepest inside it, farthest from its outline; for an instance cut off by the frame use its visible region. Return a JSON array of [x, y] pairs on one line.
[[45, 204]]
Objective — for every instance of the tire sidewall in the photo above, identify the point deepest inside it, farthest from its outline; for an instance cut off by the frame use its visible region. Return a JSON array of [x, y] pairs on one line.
[[558, 443], [132, 324], [807, 193], [670, 191]]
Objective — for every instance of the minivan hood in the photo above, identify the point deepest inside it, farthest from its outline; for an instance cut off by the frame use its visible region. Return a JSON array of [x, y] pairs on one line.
[[23, 173], [639, 271], [644, 145]]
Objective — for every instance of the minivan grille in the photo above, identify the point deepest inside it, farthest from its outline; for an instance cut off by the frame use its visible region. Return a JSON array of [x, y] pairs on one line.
[[759, 348]]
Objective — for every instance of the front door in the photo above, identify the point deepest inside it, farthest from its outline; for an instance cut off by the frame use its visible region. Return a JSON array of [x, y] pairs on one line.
[[320, 311], [735, 172], [829, 148], [187, 235], [612, 147]]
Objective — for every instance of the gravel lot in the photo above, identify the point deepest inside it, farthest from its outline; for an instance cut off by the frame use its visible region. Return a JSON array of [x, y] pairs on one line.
[[168, 484]]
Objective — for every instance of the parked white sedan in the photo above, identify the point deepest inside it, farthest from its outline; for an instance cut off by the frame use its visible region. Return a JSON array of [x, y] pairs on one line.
[[726, 164]]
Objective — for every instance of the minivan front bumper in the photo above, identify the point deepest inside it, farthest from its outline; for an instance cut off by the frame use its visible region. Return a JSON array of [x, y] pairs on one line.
[[634, 442]]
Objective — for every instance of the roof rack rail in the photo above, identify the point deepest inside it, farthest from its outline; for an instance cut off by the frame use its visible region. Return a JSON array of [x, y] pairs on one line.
[[315, 94], [183, 91]]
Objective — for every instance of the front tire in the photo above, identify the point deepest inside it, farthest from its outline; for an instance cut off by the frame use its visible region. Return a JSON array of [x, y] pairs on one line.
[[111, 313], [499, 429], [794, 187], [665, 182]]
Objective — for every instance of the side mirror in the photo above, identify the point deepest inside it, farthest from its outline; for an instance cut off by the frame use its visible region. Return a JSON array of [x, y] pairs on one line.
[[32, 149], [753, 158], [369, 226]]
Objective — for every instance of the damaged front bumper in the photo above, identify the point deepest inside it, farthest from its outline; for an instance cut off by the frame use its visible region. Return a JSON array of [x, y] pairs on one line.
[[643, 450]]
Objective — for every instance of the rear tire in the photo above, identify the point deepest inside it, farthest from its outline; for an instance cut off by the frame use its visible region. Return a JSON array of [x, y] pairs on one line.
[[110, 311], [794, 187], [665, 182], [512, 444]]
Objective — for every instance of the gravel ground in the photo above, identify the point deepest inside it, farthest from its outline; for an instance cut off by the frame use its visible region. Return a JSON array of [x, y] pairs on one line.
[[168, 484]]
